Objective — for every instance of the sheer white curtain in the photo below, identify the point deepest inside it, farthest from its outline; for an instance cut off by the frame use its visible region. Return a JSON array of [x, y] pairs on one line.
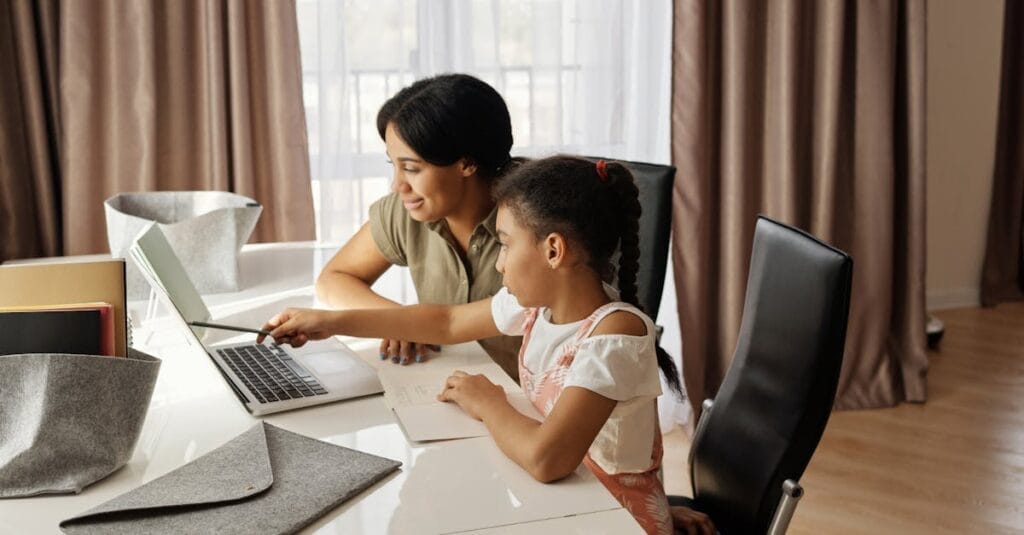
[[583, 76], [579, 76]]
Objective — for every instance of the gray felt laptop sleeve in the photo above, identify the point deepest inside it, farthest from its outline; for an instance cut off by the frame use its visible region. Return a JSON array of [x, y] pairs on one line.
[[266, 480]]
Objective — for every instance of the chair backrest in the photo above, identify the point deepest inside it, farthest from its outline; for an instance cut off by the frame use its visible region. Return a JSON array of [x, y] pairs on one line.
[[772, 407], [655, 184]]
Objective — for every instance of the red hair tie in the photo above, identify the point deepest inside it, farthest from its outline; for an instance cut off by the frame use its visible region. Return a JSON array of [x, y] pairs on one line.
[[602, 170]]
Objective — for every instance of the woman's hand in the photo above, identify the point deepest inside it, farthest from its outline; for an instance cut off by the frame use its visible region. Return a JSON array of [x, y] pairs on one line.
[[402, 352], [296, 326], [471, 392]]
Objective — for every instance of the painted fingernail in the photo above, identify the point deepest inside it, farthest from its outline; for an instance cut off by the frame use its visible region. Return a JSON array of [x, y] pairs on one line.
[[405, 360], [383, 355], [394, 359], [419, 358]]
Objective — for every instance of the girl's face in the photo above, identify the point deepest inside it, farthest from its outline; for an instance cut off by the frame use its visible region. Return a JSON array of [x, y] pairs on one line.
[[428, 192], [522, 260]]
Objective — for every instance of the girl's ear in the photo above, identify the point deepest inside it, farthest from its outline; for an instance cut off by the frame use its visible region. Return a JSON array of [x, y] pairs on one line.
[[555, 250], [467, 167]]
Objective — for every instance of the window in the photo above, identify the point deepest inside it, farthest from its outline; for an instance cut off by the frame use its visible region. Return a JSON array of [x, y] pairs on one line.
[[579, 76]]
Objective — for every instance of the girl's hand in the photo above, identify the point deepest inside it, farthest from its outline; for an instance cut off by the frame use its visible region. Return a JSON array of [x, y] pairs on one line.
[[471, 392], [296, 326], [690, 522], [402, 352]]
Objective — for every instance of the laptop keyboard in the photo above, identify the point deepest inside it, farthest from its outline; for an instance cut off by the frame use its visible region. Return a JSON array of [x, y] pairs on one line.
[[270, 373]]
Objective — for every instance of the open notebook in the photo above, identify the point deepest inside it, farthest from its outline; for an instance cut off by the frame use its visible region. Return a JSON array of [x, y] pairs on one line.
[[412, 393]]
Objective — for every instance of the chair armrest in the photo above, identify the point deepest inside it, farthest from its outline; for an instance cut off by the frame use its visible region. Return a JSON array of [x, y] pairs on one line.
[[791, 493], [701, 424]]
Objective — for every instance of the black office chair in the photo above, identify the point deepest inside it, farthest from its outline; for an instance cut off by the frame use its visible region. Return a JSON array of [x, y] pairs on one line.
[[655, 185], [754, 441]]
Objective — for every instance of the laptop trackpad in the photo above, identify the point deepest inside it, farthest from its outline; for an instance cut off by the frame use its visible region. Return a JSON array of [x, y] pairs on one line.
[[335, 362]]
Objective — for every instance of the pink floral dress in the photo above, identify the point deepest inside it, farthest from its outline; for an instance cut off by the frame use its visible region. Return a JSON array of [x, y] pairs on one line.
[[642, 494]]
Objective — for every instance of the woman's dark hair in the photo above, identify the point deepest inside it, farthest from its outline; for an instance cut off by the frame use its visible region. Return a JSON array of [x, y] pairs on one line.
[[594, 205], [452, 116]]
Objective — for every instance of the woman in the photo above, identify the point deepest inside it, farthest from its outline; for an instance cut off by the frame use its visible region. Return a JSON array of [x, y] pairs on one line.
[[448, 139]]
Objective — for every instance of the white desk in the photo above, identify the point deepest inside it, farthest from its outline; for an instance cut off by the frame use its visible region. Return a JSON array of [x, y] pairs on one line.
[[448, 486]]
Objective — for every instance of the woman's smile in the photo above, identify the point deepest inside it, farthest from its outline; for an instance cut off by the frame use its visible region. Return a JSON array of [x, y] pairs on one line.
[[412, 204]]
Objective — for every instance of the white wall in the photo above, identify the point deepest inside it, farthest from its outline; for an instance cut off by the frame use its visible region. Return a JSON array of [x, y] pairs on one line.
[[964, 45]]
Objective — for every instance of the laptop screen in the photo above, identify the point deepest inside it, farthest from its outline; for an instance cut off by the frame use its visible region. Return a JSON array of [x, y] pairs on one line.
[[161, 267]]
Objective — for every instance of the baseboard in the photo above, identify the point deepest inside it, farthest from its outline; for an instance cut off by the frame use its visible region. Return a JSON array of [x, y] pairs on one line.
[[957, 298]]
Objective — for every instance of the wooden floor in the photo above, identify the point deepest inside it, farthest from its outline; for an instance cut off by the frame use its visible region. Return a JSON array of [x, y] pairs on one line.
[[952, 465]]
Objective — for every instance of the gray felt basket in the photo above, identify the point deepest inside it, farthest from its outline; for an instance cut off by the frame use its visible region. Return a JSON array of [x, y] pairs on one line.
[[206, 229], [67, 421]]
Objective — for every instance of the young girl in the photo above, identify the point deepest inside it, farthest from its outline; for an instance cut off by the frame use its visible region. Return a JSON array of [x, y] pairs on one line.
[[589, 362]]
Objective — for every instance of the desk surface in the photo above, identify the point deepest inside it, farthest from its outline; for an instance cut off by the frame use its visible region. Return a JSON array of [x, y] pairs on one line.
[[447, 486]]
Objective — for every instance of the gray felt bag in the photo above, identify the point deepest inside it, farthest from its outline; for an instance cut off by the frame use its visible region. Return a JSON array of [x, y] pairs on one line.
[[67, 421], [206, 229]]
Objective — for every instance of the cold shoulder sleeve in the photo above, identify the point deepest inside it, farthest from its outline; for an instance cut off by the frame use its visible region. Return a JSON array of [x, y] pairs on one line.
[[508, 315], [618, 367]]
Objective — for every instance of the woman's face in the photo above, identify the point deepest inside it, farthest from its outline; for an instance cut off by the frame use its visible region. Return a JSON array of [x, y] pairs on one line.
[[428, 192], [522, 260]]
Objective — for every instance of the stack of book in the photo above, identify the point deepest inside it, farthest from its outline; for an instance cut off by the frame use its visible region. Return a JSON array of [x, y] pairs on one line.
[[63, 307], [79, 328]]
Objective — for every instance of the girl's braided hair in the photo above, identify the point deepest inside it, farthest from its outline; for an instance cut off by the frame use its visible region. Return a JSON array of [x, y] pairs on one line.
[[596, 206]]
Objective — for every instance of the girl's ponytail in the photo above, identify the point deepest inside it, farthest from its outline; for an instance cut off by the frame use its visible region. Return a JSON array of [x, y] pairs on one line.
[[624, 189], [622, 184]]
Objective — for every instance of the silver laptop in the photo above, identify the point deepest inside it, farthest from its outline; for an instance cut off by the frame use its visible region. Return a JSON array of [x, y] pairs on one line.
[[267, 378]]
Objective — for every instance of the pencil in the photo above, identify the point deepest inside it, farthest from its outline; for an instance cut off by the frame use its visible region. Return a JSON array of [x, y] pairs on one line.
[[229, 327]]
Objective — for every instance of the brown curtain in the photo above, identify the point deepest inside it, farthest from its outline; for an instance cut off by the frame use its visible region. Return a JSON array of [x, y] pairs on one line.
[[153, 95], [1003, 274], [813, 114], [30, 218]]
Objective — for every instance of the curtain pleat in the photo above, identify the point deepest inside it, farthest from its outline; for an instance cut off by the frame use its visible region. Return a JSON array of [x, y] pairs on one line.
[[1003, 271], [153, 96], [185, 95], [811, 113], [30, 195]]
